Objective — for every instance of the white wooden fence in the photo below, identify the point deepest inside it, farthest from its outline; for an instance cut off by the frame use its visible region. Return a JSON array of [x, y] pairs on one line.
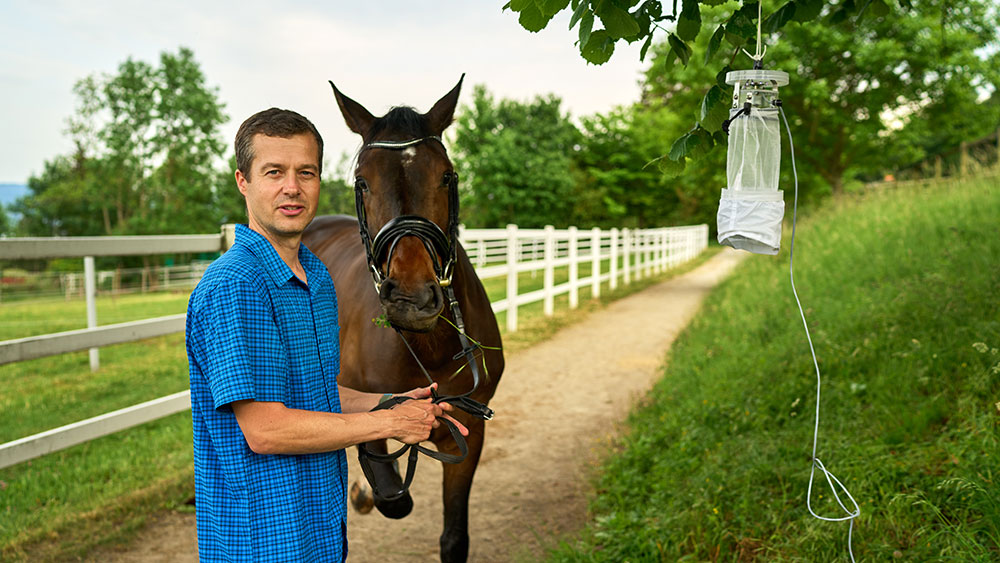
[[628, 254]]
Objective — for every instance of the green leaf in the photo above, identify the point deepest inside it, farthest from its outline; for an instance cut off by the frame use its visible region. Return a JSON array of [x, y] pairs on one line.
[[519, 5], [880, 9], [807, 10], [842, 13], [532, 19], [586, 26], [684, 146], [670, 168], [551, 7], [714, 43], [578, 13], [645, 47], [720, 77], [617, 21], [740, 27], [599, 48], [778, 19], [680, 48], [689, 23], [714, 109], [705, 142]]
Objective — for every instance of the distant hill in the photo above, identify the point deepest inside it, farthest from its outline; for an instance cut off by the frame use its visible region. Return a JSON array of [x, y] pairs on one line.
[[11, 192]]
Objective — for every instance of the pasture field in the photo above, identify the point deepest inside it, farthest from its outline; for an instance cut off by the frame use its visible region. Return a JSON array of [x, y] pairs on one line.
[[900, 289], [61, 506]]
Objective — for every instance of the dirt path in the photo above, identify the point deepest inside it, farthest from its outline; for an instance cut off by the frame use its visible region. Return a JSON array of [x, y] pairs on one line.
[[557, 407]]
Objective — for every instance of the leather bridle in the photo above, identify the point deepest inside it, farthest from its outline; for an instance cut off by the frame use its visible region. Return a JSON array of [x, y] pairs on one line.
[[443, 248], [441, 245]]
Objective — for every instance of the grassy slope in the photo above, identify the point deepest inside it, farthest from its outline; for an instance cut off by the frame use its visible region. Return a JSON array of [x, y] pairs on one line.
[[62, 505], [901, 294]]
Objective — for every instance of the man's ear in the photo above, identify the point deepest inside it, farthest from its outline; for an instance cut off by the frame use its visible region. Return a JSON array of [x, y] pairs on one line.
[[241, 182]]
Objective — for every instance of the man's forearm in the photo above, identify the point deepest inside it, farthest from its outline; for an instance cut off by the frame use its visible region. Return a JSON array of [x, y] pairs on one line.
[[272, 428]]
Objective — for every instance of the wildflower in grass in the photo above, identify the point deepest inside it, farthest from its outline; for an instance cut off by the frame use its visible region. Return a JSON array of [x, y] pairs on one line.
[[980, 347]]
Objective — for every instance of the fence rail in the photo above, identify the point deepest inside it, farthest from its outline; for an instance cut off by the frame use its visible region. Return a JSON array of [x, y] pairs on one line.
[[628, 253]]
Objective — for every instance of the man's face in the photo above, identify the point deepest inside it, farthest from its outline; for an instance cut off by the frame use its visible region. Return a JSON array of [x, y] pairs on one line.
[[282, 191]]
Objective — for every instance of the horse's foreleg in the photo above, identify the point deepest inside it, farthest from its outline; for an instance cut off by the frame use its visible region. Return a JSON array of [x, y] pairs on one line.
[[457, 484]]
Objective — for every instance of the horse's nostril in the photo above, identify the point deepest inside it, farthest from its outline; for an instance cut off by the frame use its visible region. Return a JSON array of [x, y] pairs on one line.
[[388, 288]]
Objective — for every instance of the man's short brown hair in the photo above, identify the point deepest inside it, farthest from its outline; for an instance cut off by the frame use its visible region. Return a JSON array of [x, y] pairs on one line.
[[272, 122]]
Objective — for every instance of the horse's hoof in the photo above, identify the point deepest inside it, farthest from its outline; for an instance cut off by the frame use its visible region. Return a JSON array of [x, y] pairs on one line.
[[361, 496]]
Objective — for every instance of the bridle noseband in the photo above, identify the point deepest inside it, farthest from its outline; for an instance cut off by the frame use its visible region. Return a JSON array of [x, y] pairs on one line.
[[441, 245]]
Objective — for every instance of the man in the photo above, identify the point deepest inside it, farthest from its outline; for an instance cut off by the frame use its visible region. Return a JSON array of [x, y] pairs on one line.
[[270, 421]]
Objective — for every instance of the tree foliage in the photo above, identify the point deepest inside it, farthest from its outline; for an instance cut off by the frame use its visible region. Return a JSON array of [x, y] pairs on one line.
[[602, 24], [516, 161], [146, 142], [924, 48]]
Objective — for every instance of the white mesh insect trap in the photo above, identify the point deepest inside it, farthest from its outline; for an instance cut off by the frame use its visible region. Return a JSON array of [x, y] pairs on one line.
[[752, 207]]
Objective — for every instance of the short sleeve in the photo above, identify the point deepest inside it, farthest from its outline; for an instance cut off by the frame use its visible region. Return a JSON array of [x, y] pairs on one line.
[[247, 358]]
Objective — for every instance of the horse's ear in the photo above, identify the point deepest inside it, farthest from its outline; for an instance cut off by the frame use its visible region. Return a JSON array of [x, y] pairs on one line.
[[439, 118], [357, 117]]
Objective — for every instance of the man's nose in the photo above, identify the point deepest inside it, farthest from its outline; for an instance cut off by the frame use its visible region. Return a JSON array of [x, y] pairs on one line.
[[291, 185]]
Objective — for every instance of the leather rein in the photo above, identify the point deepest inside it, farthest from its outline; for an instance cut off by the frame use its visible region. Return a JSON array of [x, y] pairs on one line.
[[442, 246]]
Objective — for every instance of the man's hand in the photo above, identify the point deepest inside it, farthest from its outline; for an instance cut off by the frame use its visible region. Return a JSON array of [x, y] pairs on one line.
[[421, 415]]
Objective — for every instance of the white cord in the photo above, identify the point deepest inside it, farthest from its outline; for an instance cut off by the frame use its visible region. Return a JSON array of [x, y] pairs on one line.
[[759, 55], [830, 479]]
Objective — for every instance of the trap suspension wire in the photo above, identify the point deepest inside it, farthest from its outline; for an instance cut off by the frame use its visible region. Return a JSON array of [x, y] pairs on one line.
[[836, 486], [831, 480]]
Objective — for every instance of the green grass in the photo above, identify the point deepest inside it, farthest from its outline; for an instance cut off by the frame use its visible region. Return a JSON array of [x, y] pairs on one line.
[[61, 506], [901, 294]]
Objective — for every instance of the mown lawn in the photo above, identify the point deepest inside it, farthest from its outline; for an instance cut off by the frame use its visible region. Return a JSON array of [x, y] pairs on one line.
[[63, 505], [902, 294]]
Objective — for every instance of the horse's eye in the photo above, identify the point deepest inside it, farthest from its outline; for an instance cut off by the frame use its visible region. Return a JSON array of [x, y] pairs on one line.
[[360, 184], [449, 179]]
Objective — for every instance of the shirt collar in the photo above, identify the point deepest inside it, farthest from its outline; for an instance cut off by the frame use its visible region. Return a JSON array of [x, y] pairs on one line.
[[276, 268]]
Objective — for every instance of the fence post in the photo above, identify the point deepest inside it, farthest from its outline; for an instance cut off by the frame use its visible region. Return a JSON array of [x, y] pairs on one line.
[[549, 278], [639, 239], [627, 254], [595, 262], [90, 289], [512, 255], [614, 259], [228, 236], [664, 248], [574, 269]]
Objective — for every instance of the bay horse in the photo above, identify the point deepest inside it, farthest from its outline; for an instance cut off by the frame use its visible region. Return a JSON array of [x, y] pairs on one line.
[[406, 184]]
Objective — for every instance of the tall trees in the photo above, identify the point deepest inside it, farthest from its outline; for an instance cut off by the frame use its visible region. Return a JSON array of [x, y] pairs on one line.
[[516, 161], [146, 142]]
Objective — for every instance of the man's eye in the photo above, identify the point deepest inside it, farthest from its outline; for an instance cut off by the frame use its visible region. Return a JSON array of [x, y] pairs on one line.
[[307, 173], [272, 172]]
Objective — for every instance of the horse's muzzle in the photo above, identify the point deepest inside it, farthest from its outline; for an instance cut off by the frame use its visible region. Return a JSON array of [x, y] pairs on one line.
[[414, 310]]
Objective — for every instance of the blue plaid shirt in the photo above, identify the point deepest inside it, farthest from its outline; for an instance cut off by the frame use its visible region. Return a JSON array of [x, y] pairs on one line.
[[255, 331]]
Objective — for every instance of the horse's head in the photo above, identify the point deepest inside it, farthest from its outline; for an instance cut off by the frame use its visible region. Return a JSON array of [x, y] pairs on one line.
[[406, 191]]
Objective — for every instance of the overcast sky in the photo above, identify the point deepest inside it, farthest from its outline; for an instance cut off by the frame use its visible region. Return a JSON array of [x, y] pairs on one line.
[[381, 53]]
